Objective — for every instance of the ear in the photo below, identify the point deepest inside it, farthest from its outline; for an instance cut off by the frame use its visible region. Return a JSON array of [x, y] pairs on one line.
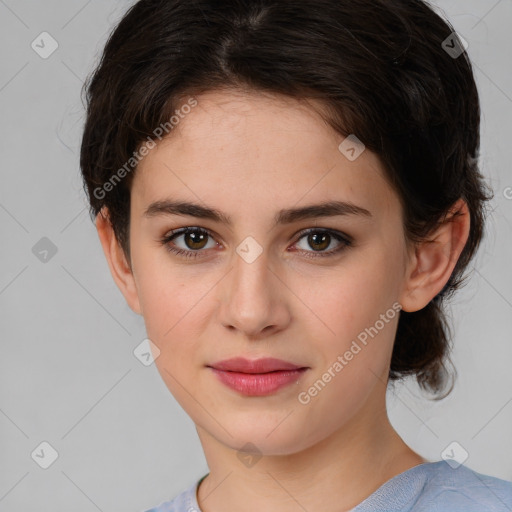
[[116, 259], [431, 263]]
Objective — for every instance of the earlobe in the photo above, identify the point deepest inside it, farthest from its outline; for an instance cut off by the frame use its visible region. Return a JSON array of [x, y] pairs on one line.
[[117, 262], [433, 261]]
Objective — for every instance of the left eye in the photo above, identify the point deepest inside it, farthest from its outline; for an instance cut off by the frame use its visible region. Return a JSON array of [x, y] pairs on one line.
[[320, 240]]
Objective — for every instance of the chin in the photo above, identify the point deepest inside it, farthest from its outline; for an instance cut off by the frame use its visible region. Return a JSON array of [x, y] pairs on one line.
[[266, 440]]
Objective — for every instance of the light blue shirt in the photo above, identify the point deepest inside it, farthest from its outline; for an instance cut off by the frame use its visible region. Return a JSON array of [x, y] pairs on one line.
[[432, 487]]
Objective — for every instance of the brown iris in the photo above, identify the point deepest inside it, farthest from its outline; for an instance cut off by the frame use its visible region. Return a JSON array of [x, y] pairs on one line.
[[197, 239], [319, 238]]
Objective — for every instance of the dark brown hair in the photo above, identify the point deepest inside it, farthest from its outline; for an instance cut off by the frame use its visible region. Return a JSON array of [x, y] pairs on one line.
[[384, 71]]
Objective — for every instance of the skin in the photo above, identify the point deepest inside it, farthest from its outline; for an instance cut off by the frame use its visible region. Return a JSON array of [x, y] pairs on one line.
[[250, 155]]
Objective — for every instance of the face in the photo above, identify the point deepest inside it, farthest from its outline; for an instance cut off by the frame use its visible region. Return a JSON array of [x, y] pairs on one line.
[[307, 289]]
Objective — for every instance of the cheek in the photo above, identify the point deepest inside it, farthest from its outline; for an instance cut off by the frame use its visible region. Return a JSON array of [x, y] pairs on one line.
[[358, 305], [174, 302], [169, 296], [354, 297], [172, 316]]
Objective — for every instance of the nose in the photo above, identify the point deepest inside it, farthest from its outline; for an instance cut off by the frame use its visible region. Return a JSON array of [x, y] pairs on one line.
[[254, 298]]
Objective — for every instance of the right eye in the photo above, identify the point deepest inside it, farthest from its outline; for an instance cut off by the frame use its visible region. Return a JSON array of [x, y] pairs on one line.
[[194, 239]]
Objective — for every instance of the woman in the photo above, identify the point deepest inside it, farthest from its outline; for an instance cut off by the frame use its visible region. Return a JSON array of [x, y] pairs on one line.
[[287, 192]]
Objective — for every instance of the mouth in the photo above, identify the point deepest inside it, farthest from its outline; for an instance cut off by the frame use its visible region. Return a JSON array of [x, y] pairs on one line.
[[259, 377]]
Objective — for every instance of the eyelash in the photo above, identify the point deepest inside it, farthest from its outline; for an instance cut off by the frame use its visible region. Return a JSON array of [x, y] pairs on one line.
[[344, 239]]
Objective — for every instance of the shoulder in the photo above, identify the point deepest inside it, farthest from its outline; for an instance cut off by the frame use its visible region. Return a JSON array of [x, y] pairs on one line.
[[461, 488], [184, 502], [438, 487]]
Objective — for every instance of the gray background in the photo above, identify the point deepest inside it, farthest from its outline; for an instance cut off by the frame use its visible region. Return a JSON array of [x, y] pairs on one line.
[[68, 375]]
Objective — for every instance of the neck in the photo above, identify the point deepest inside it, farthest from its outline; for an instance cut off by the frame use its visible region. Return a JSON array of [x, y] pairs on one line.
[[333, 475]]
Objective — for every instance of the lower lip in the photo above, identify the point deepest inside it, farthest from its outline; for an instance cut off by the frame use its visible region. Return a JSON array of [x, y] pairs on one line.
[[258, 384]]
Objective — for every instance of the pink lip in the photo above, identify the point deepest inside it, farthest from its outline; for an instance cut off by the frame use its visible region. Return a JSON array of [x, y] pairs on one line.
[[256, 378], [263, 365]]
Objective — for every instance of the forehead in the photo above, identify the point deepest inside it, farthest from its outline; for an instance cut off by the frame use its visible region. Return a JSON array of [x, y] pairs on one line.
[[257, 145]]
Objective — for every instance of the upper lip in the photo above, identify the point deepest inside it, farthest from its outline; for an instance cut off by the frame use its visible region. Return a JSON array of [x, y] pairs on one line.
[[263, 365]]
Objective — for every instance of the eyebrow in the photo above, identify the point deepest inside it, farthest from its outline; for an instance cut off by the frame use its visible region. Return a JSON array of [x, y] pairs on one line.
[[285, 216]]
